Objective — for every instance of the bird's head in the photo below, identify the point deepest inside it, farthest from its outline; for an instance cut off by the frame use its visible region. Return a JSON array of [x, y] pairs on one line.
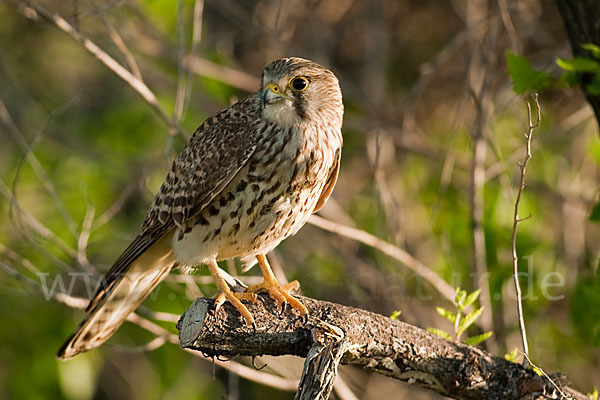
[[295, 91]]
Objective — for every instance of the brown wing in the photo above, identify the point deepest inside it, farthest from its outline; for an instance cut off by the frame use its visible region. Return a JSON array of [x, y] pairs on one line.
[[217, 151], [331, 180]]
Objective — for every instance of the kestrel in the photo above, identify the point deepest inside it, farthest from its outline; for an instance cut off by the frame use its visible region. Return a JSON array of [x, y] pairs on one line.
[[250, 176]]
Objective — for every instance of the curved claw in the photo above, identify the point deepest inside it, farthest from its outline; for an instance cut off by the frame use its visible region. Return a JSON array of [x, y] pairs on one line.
[[234, 298], [280, 294]]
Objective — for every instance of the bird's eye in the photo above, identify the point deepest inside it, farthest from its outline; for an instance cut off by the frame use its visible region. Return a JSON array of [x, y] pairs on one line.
[[299, 83]]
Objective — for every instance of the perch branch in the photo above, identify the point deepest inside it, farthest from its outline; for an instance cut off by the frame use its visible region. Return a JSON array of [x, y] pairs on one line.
[[366, 340]]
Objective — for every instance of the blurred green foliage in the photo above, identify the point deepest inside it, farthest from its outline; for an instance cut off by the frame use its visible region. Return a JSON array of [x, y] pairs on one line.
[[405, 69]]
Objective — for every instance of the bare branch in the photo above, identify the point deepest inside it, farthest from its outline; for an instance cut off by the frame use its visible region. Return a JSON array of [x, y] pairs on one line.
[[322, 360], [516, 220], [389, 249], [37, 167], [84, 236], [36, 226], [182, 81], [115, 207], [230, 76], [118, 41], [137, 84], [184, 87]]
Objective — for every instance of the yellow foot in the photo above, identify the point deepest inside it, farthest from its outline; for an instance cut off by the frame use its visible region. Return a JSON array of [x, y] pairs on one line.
[[224, 293], [280, 294], [234, 298]]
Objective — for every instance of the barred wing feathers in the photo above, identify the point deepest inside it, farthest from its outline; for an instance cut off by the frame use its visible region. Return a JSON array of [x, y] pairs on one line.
[[217, 151]]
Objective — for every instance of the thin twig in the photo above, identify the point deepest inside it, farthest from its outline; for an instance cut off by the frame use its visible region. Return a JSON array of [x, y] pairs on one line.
[[119, 42], [387, 248], [230, 76], [17, 258], [84, 237], [181, 73], [342, 389], [196, 38], [138, 85], [37, 167], [115, 207], [9, 269], [184, 87], [563, 395], [517, 220], [36, 226], [515, 43], [152, 345]]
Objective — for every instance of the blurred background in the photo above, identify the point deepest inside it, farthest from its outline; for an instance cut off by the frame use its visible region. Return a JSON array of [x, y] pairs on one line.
[[433, 131]]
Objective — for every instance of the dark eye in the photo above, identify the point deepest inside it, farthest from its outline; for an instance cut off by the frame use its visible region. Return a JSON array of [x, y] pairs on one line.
[[299, 83]]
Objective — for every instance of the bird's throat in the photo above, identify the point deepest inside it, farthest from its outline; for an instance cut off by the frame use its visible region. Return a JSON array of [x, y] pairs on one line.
[[282, 114]]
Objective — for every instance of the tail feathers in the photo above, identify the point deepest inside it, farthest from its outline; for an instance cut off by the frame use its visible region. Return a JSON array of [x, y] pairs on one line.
[[122, 295]]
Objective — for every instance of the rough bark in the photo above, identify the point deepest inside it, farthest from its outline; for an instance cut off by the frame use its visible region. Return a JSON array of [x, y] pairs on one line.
[[363, 339], [582, 23]]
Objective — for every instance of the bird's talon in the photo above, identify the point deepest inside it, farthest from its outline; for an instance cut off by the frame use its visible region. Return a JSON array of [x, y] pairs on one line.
[[219, 301], [282, 307], [305, 318], [279, 293], [225, 294]]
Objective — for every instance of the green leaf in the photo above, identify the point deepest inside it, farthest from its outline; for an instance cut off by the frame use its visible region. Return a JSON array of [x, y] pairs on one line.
[[523, 76], [512, 356], [538, 371], [395, 314], [579, 64], [592, 48], [594, 394], [460, 297], [440, 333], [475, 340], [449, 315], [472, 297], [468, 321]]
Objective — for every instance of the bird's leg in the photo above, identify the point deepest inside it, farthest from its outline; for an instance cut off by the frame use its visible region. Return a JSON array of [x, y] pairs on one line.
[[277, 292], [224, 293]]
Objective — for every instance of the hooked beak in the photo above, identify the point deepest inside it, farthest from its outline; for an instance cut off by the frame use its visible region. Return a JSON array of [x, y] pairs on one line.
[[272, 94]]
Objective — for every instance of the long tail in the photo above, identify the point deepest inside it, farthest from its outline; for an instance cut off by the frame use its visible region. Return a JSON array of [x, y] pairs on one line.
[[128, 283]]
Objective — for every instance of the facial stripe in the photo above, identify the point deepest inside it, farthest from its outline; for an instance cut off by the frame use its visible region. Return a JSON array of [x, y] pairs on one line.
[[299, 105]]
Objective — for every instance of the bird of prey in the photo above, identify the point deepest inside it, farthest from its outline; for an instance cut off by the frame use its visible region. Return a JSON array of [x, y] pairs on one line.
[[250, 176]]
